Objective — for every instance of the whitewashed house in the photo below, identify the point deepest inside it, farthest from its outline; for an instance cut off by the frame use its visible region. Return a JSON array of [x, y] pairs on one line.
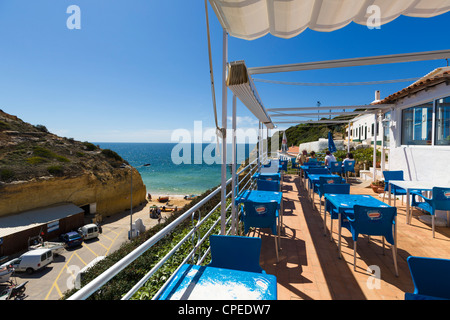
[[417, 128]]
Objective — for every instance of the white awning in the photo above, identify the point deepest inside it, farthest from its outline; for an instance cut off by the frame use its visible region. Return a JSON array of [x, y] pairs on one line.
[[252, 19]]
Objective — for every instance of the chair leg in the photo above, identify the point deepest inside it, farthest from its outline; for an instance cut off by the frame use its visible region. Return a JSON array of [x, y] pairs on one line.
[[276, 247], [432, 223], [331, 228], [354, 255], [394, 255]]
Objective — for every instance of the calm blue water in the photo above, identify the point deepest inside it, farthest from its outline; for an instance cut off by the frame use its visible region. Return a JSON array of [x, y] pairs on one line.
[[163, 176]]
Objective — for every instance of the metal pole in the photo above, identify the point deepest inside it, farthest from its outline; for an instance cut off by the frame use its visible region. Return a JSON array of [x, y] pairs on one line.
[[348, 138], [233, 170], [131, 204], [375, 148], [224, 138]]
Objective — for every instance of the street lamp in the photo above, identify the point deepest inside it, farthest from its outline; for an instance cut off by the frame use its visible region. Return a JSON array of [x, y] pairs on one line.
[[131, 193]]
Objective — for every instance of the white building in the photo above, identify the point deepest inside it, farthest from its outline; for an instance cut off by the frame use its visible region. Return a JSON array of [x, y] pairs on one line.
[[417, 128]]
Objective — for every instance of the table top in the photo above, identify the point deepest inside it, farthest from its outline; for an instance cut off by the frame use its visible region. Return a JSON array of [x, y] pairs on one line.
[[347, 201], [260, 196], [417, 184], [194, 282], [316, 176]]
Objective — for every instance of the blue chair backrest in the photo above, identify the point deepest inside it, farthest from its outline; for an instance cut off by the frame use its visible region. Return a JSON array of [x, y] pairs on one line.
[[268, 185], [336, 188], [293, 161], [374, 221], [431, 276], [349, 165], [328, 180], [234, 252], [318, 171], [441, 199], [260, 215], [391, 175], [283, 164], [270, 177], [336, 166]]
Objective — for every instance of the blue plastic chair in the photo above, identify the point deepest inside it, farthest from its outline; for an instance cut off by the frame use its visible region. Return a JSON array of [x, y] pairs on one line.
[[340, 188], [321, 170], [431, 278], [268, 185], [261, 215], [234, 252], [373, 221], [318, 187], [283, 164], [348, 166], [440, 200], [336, 167], [295, 165], [393, 175]]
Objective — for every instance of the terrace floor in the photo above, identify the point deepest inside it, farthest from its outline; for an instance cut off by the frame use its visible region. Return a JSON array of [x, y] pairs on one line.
[[309, 267]]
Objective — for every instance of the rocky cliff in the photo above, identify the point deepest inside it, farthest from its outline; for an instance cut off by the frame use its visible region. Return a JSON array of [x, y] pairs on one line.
[[38, 169]]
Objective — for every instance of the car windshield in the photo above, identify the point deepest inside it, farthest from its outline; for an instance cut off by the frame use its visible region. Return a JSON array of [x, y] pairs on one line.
[[73, 236]]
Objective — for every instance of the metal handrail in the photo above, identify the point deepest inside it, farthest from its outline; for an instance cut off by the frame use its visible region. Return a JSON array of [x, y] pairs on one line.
[[102, 279]]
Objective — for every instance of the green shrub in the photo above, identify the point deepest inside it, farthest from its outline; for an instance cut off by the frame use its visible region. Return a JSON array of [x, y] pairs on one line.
[[36, 160], [61, 159], [89, 146], [55, 170], [42, 152], [41, 127], [6, 175], [112, 154]]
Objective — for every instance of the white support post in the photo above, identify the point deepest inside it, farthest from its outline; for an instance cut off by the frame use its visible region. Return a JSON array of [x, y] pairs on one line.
[[223, 207], [233, 171], [258, 150], [348, 136], [375, 148]]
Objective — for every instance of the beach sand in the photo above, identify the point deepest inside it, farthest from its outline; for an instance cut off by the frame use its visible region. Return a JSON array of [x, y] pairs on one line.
[[174, 201]]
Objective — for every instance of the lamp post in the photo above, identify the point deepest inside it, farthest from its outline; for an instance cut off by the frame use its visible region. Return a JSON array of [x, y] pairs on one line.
[[131, 193]]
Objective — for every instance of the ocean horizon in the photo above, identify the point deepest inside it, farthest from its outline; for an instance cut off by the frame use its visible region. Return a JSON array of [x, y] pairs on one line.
[[196, 168]]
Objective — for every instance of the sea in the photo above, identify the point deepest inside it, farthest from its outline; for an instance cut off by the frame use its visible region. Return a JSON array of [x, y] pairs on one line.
[[177, 169]]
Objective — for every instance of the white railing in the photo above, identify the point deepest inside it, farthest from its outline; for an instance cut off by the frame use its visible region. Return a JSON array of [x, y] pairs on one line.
[[102, 279]]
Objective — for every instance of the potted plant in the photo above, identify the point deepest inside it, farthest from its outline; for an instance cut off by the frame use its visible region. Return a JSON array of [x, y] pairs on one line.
[[377, 186]]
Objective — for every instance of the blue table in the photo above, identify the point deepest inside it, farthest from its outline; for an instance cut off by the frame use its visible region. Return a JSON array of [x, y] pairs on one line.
[[193, 282], [344, 203], [305, 169]]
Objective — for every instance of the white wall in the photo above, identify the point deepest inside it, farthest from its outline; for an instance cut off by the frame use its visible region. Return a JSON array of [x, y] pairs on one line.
[[418, 162]]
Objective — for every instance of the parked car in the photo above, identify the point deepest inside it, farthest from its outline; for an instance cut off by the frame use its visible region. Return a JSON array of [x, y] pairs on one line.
[[31, 261], [89, 231], [72, 239]]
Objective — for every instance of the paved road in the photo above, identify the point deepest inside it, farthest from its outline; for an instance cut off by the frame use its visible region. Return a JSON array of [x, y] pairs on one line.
[[52, 281]]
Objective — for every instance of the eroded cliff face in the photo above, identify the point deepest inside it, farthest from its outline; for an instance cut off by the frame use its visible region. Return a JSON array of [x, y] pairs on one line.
[[110, 195], [38, 169]]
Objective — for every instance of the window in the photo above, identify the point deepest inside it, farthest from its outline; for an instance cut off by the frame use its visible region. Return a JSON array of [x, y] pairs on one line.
[[417, 124], [442, 128]]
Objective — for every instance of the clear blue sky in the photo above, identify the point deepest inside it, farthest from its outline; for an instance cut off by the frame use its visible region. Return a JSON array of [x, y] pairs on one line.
[[137, 70]]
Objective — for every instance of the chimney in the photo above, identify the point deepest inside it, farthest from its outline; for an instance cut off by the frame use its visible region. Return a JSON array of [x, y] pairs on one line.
[[377, 95]]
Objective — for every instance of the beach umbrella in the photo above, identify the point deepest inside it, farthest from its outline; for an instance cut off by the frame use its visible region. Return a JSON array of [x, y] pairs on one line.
[[284, 146], [331, 146]]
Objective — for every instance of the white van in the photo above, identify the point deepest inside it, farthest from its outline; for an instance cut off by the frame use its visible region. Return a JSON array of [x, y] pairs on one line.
[[32, 261], [89, 231]]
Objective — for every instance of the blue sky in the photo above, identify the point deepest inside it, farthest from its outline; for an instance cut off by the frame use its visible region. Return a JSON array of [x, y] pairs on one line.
[[138, 70]]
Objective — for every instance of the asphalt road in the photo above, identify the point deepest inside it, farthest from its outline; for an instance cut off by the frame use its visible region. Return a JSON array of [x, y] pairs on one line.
[[51, 282]]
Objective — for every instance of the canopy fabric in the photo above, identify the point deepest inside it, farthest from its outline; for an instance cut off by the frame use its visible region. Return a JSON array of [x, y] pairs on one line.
[[252, 19]]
